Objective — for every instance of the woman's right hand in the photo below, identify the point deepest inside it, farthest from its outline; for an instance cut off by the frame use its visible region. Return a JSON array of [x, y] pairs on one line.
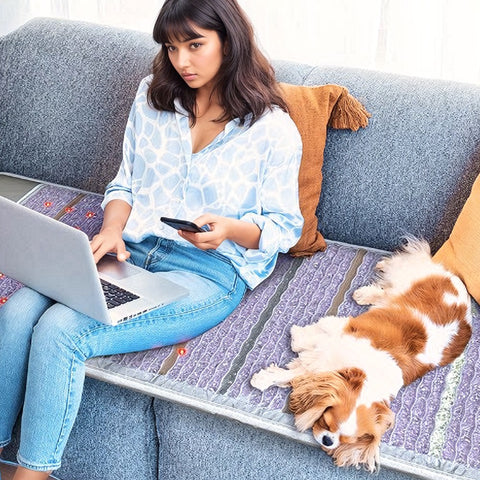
[[109, 240]]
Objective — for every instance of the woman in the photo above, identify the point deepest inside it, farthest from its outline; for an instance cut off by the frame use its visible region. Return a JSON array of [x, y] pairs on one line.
[[208, 140]]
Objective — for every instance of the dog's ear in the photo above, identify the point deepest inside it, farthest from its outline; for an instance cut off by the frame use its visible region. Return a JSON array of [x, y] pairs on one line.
[[364, 452], [384, 417], [311, 395], [354, 377]]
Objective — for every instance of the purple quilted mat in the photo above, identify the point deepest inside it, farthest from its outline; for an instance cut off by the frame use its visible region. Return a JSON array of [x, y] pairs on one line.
[[435, 428], [75, 208]]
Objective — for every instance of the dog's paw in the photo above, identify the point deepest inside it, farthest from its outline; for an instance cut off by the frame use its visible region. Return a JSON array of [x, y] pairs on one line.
[[264, 378], [297, 343], [367, 295]]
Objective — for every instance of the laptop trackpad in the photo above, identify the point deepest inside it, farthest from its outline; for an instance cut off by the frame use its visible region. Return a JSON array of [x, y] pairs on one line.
[[111, 267]]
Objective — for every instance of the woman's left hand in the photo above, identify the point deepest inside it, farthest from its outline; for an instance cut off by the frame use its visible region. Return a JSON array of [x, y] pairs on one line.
[[222, 228]]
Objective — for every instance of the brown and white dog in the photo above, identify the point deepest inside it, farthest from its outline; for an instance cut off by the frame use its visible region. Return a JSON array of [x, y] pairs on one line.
[[349, 369]]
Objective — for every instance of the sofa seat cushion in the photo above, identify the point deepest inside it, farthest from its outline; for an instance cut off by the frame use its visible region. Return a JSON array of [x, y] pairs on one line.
[[435, 434]]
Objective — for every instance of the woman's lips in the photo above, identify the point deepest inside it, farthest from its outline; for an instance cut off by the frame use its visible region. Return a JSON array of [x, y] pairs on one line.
[[188, 77]]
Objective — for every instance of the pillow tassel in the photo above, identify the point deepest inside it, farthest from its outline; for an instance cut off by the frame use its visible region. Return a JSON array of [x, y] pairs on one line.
[[349, 113]]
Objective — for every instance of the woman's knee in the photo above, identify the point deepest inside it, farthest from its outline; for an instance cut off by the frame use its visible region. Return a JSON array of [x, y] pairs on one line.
[[22, 311], [56, 329]]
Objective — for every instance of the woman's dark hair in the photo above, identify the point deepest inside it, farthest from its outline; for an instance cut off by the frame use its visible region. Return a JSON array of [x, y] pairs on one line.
[[245, 83]]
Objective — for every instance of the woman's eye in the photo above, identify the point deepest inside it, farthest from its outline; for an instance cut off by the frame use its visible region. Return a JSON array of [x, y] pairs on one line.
[[195, 45], [170, 48]]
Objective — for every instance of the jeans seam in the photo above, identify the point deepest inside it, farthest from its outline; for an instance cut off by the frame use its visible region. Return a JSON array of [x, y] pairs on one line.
[[75, 352], [5, 442], [151, 254], [61, 435]]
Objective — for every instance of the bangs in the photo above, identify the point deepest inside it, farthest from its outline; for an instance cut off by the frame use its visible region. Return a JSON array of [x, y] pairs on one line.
[[179, 21], [179, 30]]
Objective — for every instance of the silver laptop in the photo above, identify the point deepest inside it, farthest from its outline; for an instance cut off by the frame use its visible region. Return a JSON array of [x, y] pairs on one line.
[[56, 260]]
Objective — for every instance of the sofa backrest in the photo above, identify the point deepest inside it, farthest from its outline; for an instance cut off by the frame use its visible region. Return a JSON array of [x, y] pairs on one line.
[[410, 171], [66, 90]]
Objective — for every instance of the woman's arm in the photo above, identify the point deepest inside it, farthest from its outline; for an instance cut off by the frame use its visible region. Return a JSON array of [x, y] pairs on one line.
[[109, 239], [245, 234]]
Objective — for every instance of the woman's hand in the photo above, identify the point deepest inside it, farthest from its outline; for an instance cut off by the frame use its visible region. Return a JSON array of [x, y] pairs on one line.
[[109, 239], [245, 234]]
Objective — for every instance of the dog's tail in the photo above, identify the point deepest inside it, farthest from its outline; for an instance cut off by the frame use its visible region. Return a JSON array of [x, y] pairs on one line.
[[414, 245]]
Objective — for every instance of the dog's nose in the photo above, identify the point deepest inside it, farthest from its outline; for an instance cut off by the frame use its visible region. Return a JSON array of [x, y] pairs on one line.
[[327, 441]]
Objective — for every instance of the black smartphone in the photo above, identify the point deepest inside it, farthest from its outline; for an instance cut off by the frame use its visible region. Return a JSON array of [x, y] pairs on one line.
[[181, 224]]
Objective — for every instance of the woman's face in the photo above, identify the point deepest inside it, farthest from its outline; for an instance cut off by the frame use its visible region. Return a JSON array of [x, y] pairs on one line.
[[197, 60]]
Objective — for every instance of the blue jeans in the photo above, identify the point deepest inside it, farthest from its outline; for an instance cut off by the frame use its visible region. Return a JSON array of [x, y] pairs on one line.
[[44, 345]]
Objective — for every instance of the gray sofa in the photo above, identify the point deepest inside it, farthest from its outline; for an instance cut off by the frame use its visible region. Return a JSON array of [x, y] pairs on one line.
[[65, 93]]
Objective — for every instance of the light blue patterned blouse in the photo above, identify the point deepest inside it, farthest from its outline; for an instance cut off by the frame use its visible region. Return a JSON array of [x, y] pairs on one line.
[[247, 173]]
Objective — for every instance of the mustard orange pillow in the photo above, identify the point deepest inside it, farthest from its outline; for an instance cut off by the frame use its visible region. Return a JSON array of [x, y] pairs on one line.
[[461, 252], [313, 109]]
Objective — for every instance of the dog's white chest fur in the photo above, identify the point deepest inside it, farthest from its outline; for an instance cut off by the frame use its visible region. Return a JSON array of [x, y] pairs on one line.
[[324, 346]]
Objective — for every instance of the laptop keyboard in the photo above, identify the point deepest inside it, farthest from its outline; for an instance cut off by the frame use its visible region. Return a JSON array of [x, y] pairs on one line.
[[116, 296]]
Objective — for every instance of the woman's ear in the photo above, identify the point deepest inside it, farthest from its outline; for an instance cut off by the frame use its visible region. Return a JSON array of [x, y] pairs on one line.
[[226, 47]]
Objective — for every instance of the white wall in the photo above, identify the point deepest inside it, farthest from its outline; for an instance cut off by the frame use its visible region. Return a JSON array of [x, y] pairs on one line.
[[430, 38]]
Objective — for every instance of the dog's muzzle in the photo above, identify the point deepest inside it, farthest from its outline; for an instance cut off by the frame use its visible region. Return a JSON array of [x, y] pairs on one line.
[[327, 439]]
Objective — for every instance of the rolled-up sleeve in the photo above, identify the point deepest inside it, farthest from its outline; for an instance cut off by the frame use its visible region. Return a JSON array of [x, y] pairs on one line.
[[280, 219]]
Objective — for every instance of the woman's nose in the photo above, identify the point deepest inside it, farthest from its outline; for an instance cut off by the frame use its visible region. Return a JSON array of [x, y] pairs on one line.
[[183, 58]]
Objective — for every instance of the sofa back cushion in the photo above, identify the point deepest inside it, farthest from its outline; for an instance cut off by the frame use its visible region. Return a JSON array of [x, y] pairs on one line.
[[410, 171], [66, 89]]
